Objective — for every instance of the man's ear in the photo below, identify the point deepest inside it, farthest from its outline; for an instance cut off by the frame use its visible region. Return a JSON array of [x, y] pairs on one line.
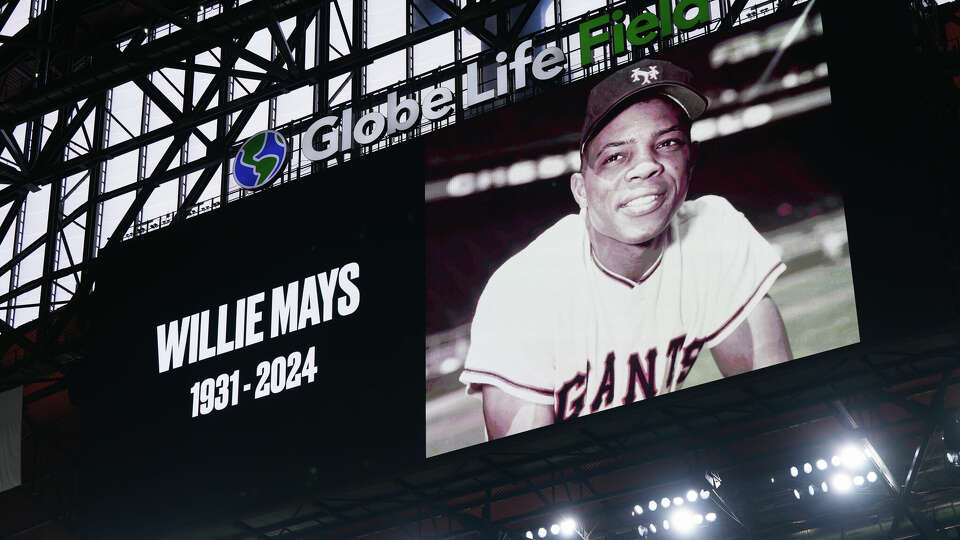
[[578, 189]]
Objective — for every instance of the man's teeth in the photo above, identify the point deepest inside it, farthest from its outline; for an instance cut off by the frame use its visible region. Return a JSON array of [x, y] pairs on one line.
[[646, 200]]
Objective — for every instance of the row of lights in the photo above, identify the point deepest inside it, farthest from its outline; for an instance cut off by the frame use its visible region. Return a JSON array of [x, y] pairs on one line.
[[850, 457], [841, 482], [681, 521], [565, 527], [665, 502]]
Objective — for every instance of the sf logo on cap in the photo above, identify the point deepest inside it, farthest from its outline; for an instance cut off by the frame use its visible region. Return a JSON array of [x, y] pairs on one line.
[[647, 76]]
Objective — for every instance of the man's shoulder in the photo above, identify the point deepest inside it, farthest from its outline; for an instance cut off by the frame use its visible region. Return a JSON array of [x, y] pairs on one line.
[[708, 220], [551, 258], [706, 209]]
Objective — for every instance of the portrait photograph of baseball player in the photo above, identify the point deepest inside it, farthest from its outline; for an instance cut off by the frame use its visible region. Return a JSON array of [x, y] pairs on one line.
[[685, 229]]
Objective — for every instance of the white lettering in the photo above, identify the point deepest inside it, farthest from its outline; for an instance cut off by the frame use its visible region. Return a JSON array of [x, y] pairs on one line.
[[283, 310], [171, 344], [349, 303]]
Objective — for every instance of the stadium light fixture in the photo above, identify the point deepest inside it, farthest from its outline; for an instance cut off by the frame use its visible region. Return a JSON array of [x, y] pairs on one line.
[[641, 530], [555, 529], [824, 487], [711, 517], [835, 461], [871, 477], [796, 494], [637, 510], [852, 457], [683, 521], [692, 496], [665, 502], [529, 535], [542, 532], [678, 501], [842, 483], [713, 479], [811, 490], [666, 524], [704, 494], [794, 472], [821, 464], [652, 505], [858, 480], [807, 467], [568, 526]]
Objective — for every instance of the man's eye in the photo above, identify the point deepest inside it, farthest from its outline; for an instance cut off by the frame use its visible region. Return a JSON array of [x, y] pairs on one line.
[[612, 158], [671, 143]]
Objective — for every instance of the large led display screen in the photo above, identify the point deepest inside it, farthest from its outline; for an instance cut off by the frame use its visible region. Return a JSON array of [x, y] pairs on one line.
[[663, 223], [595, 230]]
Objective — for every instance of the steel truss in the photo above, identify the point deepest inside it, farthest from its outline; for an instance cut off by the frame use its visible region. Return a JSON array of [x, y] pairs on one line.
[[56, 120]]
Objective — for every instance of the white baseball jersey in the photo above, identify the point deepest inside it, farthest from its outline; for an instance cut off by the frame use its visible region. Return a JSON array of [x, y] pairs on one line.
[[554, 327]]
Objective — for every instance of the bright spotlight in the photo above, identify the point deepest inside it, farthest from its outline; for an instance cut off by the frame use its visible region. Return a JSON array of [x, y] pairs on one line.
[[692, 496], [772, 481], [871, 477], [794, 472], [683, 521], [711, 517], [824, 487], [835, 461], [529, 535], [807, 468], [841, 482], [568, 526], [665, 502], [796, 494], [652, 505], [555, 529], [637, 510], [697, 519], [642, 530], [858, 480], [821, 464], [653, 528], [541, 532], [811, 490], [704, 494], [666, 524], [677, 501], [852, 457]]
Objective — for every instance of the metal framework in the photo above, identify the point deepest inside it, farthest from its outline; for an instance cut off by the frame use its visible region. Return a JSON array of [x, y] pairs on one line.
[[63, 133]]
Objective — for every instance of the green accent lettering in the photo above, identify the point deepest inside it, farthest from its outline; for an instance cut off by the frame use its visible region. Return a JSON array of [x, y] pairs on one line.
[[642, 29], [684, 6], [619, 44], [666, 25], [589, 41]]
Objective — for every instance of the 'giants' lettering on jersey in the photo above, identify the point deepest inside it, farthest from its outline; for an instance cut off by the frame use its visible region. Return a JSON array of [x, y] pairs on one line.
[[640, 370]]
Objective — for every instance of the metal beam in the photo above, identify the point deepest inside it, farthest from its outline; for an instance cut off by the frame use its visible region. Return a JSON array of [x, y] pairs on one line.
[[732, 15]]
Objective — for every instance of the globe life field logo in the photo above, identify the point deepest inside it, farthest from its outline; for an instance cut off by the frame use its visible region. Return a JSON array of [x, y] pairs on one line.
[[260, 160]]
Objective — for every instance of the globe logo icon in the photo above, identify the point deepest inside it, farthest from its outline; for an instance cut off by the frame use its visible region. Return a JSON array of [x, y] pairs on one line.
[[260, 159]]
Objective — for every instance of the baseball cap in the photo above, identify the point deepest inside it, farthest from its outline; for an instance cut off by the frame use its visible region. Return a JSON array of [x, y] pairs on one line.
[[659, 76]]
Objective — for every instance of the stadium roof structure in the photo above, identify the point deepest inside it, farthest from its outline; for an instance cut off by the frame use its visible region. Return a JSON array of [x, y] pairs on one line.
[[735, 440]]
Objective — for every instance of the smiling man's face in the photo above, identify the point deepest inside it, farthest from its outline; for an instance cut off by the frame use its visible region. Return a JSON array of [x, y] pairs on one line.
[[635, 173]]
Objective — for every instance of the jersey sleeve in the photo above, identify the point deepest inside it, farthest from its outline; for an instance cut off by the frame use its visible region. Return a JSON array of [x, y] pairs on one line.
[[510, 344], [740, 267]]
